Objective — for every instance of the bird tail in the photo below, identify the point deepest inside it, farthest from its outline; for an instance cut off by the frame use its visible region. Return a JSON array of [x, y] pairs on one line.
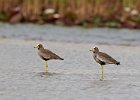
[[118, 63], [61, 58]]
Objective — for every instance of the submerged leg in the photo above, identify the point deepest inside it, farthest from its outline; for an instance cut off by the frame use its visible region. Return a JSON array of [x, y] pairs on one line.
[[46, 66], [102, 77]]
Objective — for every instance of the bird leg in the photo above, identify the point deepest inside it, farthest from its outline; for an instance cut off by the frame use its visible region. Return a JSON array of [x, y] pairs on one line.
[[102, 77], [46, 66]]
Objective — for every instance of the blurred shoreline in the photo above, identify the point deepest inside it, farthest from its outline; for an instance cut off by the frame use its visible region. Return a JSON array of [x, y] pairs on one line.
[[86, 13]]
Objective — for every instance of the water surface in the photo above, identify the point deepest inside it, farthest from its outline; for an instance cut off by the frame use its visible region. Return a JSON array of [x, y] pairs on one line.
[[71, 34]]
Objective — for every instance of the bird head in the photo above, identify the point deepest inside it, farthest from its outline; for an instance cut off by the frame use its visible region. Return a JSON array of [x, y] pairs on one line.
[[94, 50], [38, 46]]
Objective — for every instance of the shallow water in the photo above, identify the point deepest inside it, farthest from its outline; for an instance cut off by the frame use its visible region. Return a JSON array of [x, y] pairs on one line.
[[71, 34], [22, 74], [75, 78]]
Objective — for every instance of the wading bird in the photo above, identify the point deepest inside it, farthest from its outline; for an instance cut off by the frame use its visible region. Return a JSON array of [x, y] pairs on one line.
[[103, 59], [46, 54]]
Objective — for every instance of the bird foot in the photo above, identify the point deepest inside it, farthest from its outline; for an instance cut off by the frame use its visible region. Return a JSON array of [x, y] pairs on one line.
[[101, 79]]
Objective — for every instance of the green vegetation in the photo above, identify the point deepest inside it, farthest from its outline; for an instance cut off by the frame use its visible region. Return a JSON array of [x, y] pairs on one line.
[[94, 13]]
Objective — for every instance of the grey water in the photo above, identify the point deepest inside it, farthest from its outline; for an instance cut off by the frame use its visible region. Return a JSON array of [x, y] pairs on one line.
[[77, 77], [71, 34]]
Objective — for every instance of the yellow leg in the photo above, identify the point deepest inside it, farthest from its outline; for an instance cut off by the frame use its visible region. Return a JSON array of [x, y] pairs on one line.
[[46, 66], [102, 77]]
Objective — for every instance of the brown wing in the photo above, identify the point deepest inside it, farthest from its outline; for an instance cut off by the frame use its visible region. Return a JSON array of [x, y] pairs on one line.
[[47, 54], [106, 58]]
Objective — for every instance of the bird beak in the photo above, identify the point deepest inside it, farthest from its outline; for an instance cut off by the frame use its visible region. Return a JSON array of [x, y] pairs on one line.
[[36, 46]]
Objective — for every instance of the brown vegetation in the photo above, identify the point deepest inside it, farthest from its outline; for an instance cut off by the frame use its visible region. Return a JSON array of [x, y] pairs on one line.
[[111, 13]]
